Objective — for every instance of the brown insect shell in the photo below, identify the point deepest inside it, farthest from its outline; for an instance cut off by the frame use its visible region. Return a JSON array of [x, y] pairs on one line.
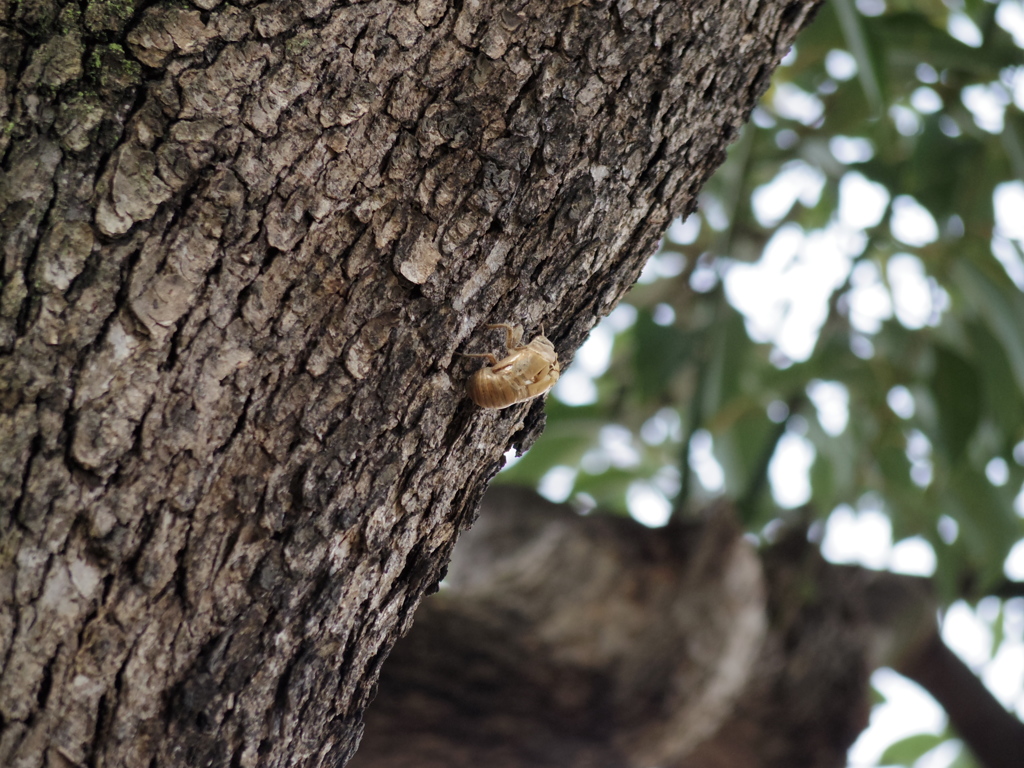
[[529, 371]]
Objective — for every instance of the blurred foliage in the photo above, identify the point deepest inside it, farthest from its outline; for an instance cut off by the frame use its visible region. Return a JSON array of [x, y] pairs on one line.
[[887, 101], [879, 96]]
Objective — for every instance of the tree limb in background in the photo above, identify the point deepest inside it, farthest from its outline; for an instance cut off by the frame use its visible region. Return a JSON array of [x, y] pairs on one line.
[[993, 734], [570, 641]]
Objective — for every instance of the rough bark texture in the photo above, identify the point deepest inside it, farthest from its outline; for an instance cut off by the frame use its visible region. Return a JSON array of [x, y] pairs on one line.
[[242, 245], [585, 642]]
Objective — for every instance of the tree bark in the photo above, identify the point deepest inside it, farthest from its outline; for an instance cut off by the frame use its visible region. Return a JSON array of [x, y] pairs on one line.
[[242, 246]]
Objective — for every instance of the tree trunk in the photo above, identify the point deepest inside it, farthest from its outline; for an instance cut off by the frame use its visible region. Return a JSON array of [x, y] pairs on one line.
[[242, 246]]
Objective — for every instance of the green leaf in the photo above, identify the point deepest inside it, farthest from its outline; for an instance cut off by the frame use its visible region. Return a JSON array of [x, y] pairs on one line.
[[660, 352], [741, 447], [727, 376], [1002, 309], [952, 568], [1013, 142], [857, 42], [911, 38], [834, 472], [998, 630], [988, 525], [957, 395], [1003, 402], [907, 751], [823, 482]]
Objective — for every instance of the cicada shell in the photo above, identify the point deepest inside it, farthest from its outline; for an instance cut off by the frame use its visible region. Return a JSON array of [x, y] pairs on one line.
[[528, 371]]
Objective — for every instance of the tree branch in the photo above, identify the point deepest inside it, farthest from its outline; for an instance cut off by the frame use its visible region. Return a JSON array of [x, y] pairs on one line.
[[1007, 590], [994, 735]]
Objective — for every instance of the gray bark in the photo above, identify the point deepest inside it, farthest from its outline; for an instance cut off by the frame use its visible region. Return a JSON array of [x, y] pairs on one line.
[[242, 246]]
